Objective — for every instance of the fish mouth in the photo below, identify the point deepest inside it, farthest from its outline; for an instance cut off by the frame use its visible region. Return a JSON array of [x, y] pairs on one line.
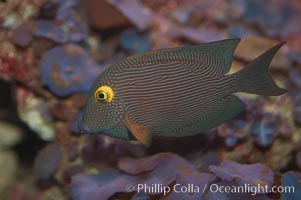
[[84, 128]]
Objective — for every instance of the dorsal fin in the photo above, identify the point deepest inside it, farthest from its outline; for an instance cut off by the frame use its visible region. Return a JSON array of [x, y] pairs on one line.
[[213, 58]]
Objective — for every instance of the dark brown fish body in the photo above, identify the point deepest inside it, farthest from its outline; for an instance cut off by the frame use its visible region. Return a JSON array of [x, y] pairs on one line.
[[177, 92]]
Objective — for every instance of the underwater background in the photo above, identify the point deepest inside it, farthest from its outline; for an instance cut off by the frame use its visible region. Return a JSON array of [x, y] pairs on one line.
[[51, 51]]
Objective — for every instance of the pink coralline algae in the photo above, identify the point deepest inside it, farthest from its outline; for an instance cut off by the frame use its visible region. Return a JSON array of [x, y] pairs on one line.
[[67, 69]]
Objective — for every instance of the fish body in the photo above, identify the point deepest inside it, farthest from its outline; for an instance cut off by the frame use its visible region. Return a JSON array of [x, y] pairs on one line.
[[174, 92]]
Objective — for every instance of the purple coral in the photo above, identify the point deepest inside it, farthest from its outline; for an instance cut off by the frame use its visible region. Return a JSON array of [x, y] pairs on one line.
[[75, 24], [63, 4], [67, 69], [191, 186], [50, 29], [68, 25], [243, 174], [97, 186], [203, 161], [137, 166], [166, 168], [134, 11], [166, 165]]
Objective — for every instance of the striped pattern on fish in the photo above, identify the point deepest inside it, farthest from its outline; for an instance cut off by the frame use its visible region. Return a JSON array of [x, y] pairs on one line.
[[175, 92]]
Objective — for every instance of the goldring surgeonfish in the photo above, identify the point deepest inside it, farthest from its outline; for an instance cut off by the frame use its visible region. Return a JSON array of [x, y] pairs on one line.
[[174, 92]]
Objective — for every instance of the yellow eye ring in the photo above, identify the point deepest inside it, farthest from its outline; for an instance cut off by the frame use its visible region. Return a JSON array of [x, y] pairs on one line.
[[104, 94]]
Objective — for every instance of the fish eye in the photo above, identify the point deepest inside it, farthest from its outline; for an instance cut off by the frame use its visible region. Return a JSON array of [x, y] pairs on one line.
[[104, 94]]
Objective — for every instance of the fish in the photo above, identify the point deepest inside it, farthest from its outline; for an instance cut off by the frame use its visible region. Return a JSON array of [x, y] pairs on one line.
[[174, 92]]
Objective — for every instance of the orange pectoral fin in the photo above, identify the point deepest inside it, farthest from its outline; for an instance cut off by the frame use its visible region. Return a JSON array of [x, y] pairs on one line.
[[141, 133]]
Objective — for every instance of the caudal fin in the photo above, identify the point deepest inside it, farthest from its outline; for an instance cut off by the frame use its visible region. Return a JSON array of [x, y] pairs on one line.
[[255, 77]]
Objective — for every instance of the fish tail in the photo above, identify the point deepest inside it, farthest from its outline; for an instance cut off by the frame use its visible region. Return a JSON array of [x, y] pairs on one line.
[[255, 78]]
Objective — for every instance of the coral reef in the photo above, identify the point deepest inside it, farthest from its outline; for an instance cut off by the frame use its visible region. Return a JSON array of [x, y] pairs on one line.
[[52, 51]]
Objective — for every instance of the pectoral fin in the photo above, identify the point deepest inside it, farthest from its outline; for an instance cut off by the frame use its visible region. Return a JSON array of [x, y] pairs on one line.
[[141, 133]]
